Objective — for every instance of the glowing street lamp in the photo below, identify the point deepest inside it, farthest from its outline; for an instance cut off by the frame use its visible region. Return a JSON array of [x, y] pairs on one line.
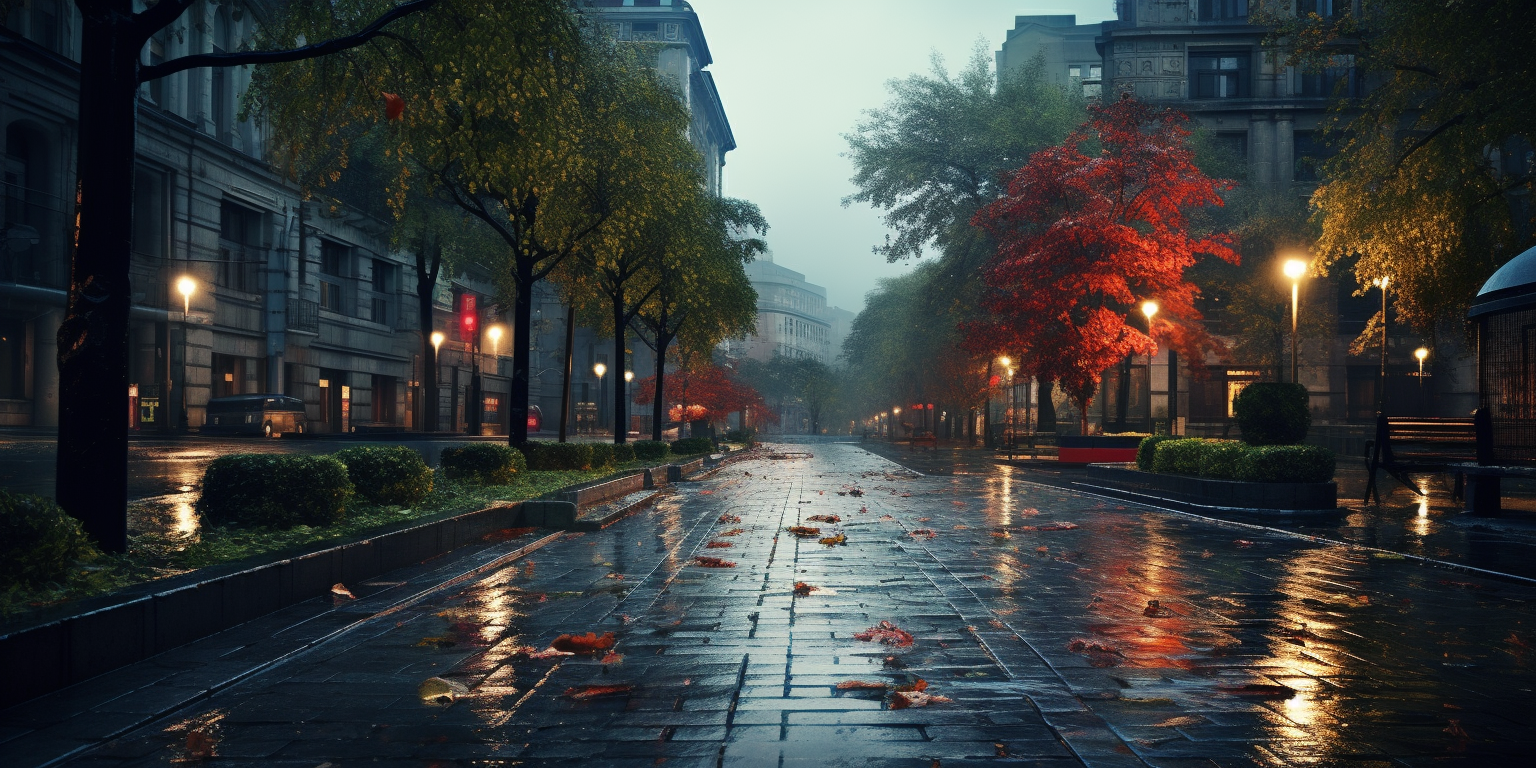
[[437, 342], [1295, 269], [186, 286], [1149, 308], [1381, 389], [1421, 353], [495, 333]]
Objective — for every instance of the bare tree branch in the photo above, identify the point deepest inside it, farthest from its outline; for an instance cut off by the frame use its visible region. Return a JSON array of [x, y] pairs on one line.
[[159, 16]]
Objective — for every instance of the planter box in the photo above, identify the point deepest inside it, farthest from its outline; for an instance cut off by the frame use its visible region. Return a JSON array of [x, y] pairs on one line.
[[1227, 494], [1097, 449], [601, 492]]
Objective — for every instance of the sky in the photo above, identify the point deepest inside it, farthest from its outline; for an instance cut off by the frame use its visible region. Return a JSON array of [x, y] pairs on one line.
[[796, 75]]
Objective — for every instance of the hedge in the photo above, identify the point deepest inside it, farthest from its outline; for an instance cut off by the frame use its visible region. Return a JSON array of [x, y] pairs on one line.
[[746, 436], [549, 457], [387, 474], [1219, 459], [1177, 457], [602, 454], [692, 445], [484, 463], [652, 450], [1273, 414], [1287, 464], [1145, 449], [38, 541], [277, 491], [623, 453]]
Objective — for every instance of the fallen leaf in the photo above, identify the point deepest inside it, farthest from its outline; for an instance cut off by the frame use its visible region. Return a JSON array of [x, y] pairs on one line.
[[1042, 550], [612, 657], [728, 518], [732, 532], [924, 519], [922, 533], [824, 519], [436, 690], [1001, 535], [202, 744], [802, 589], [886, 633], [394, 106], [340, 590], [1057, 527], [1456, 730], [712, 562], [1243, 543], [861, 685], [962, 527], [1029, 512], [1206, 553], [719, 545], [705, 493], [803, 531], [905, 699], [548, 653], [615, 576], [835, 541], [597, 691], [587, 644]]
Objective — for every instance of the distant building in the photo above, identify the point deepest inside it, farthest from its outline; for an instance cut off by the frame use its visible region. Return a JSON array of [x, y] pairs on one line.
[[792, 318], [1070, 51]]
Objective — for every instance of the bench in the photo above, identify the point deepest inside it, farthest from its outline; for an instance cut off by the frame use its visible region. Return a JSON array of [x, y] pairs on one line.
[[1406, 444]]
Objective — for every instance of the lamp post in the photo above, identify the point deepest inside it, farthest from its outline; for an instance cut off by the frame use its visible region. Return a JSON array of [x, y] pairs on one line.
[[1295, 269], [1421, 353], [1012, 406], [186, 286], [629, 377], [495, 333], [437, 367], [599, 369], [1381, 388], [1007, 363], [1149, 308]]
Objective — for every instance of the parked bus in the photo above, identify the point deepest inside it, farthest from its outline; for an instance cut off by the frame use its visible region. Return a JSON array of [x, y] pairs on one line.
[[265, 415]]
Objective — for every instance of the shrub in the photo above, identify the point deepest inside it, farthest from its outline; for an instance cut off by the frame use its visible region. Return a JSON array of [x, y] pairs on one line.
[[746, 436], [387, 474], [1273, 414], [652, 450], [38, 541], [623, 453], [1144, 452], [1287, 464], [484, 463], [554, 457], [277, 491], [1219, 459], [692, 445], [1178, 457], [602, 454]]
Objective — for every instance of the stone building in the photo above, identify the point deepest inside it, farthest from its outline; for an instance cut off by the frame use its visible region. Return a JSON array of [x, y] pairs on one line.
[[793, 319], [1070, 50]]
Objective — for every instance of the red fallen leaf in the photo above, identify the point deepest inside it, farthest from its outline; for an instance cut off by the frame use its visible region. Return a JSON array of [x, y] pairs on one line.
[[612, 657], [201, 744], [1001, 535], [1514, 639], [922, 533], [824, 519], [863, 510], [728, 518], [394, 106], [904, 699], [1029, 512], [1243, 543], [705, 493], [597, 691], [719, 545], [886, 633], [1057, 527], [1089, 646], [340, 590], [838, 540], [802, 589], [1042, 550], [886, 517], [732, 532], [958, 503], [586, 644], [861, 685], [712, 562], [803, 531], [914, 687]]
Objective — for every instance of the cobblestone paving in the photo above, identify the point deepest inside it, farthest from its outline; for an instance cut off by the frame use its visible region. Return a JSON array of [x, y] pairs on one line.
[[1029, 607]]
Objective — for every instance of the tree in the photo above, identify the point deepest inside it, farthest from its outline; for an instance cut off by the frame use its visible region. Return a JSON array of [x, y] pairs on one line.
[[1428, 161], [92, 469], [808, 381], [702, 295], [938, 152], [1086, 232], [707, 393]]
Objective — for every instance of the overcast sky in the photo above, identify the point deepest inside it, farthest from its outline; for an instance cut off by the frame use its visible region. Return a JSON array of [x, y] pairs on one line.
[[795, 75]]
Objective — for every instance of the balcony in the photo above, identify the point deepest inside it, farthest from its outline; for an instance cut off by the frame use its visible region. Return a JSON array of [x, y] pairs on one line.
[[303, 316]]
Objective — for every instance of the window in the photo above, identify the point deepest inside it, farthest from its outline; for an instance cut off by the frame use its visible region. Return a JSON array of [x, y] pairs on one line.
[[335, 264], [13, 359], [1222, 10], [1220, 74], [1338, 79], [1324, 8], [149, 214], [1074, 71], [384, 276], [380, 313], [241, 247], [1308, 154], [1095, 71]]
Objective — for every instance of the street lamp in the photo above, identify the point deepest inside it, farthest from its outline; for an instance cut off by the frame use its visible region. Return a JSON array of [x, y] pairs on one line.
[[1381, 389], [495, 333], [1149, 308], [1421, 353], [599, 369], [186, 286], [629, 376], [1013, 438], [437, 368], [1295, 269]]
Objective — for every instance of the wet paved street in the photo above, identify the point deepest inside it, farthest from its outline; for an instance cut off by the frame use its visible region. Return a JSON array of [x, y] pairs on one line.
[[1031, 613]]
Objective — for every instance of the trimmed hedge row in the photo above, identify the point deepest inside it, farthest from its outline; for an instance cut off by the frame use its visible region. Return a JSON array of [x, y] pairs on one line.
[[484, 463], [273, 490], [38, 541], [689, 446], [554, 457], [1232, 460], [747, 436], [1271, 413], [387, 474], [651, 450]]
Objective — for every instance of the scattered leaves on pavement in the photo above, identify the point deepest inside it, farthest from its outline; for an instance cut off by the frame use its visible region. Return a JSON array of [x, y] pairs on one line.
[[732, 532], [861, 685], [587, 644], [712, 562], [922, 533], [728, 518], [824, 519], [803, 531], [597, 691], [835, 541], [886, 633], [719, 545]]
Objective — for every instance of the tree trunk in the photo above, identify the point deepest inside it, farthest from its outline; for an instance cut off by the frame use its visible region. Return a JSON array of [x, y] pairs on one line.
[[620, 387], [92, 471], [1123, 394], [658, 404], [426, 282], [1047, 419], [522, 310], [565, 383]]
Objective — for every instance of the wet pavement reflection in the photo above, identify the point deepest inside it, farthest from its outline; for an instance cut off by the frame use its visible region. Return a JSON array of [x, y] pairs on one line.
[[1027, 624]]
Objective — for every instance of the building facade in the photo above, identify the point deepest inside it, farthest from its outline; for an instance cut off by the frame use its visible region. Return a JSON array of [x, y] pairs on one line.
[[793, 319], [1070, 50]]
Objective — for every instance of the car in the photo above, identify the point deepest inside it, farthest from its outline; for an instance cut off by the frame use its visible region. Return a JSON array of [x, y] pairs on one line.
[[535, 418], [265, 415]]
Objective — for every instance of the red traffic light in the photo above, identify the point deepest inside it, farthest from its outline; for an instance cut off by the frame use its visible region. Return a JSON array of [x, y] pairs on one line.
[[469, 317]]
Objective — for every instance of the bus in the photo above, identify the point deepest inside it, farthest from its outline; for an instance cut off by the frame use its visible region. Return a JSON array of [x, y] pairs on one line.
[[265, 415]]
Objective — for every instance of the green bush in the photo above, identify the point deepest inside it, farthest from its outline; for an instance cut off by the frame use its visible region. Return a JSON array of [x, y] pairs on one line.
[[692, 445], [623, 453], [38, 541], [277, 491], [556, 457], [1273, 414], [1178, 457], [1219, 459], [1148, 447], [602, 454], [387, 474], [484, 463], [652, 450], [1287, 464], [746, 436]]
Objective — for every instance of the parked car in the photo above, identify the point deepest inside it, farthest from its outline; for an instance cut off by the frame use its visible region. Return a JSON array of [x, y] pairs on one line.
[[265, 415], [535, 418]]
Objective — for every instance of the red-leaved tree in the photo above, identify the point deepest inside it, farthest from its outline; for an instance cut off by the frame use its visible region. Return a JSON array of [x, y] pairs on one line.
[[708, 393], [1088, 231]]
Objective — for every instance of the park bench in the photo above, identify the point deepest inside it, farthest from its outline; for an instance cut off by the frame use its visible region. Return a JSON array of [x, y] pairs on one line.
[[1463, 447]]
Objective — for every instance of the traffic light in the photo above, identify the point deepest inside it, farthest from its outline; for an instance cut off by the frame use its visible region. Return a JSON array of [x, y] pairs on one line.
[[469, 317]]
